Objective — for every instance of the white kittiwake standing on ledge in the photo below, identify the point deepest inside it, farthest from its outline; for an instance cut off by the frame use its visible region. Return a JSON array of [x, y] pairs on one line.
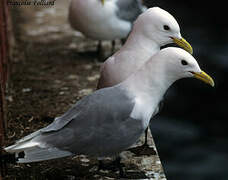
[[152, 29], [110, 120]]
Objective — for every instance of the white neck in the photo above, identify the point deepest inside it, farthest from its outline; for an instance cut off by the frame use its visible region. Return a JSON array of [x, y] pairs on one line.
[[141, 45], [147, 89]]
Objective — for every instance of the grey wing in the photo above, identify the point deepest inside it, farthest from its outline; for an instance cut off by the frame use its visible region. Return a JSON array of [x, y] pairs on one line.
[[129, 10], [95, 101], [61, 121], [80, 107], [102, 126]]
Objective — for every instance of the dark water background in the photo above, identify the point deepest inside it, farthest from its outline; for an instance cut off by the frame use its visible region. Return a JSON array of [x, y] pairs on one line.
[[191, 132]]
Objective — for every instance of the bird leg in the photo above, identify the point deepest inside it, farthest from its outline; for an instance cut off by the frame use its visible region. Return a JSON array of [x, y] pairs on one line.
[[146, 134], [144, 149], [99, 48], [100, 53], [120, 167], [113, 46]]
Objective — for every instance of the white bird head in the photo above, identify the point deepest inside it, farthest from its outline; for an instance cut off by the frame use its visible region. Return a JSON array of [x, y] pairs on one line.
[[161, 27], [175, 63]]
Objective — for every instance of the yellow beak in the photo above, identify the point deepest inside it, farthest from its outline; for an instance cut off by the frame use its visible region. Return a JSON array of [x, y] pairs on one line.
[[103, 1], [184, 44], [204, 77]]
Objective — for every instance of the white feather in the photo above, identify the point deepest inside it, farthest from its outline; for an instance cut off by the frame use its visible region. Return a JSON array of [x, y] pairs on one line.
[[34, 150]]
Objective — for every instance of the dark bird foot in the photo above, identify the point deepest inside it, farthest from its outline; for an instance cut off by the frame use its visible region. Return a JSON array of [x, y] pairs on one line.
[[100, 53], [6, 159], [145, 149], [113, 166]]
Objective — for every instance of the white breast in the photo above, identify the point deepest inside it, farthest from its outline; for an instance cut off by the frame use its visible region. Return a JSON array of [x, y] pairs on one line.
[[143, 110]]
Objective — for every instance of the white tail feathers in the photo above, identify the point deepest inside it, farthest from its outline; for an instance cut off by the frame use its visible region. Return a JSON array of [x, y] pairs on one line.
[[24, 143], [34, 151], [21, 147], [39, 154]]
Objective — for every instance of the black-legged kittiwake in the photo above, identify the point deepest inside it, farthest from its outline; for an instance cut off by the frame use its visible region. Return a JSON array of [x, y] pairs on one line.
[[110, 120], [153, 29]]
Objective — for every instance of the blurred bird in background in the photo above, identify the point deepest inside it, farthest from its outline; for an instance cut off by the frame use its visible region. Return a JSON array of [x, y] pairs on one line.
[[104, 19]]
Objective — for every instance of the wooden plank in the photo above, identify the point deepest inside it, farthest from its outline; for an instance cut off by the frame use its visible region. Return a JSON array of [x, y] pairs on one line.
[[1, 122], [2, 54], [4, 42], [4, 48], [4, 57]]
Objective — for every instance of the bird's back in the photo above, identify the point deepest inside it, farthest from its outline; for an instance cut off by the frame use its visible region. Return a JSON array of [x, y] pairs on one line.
[[129, 10], [101, 127]]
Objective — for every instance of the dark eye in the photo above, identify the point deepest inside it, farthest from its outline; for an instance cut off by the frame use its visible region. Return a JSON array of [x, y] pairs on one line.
[[184, 63], [166, 27]]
